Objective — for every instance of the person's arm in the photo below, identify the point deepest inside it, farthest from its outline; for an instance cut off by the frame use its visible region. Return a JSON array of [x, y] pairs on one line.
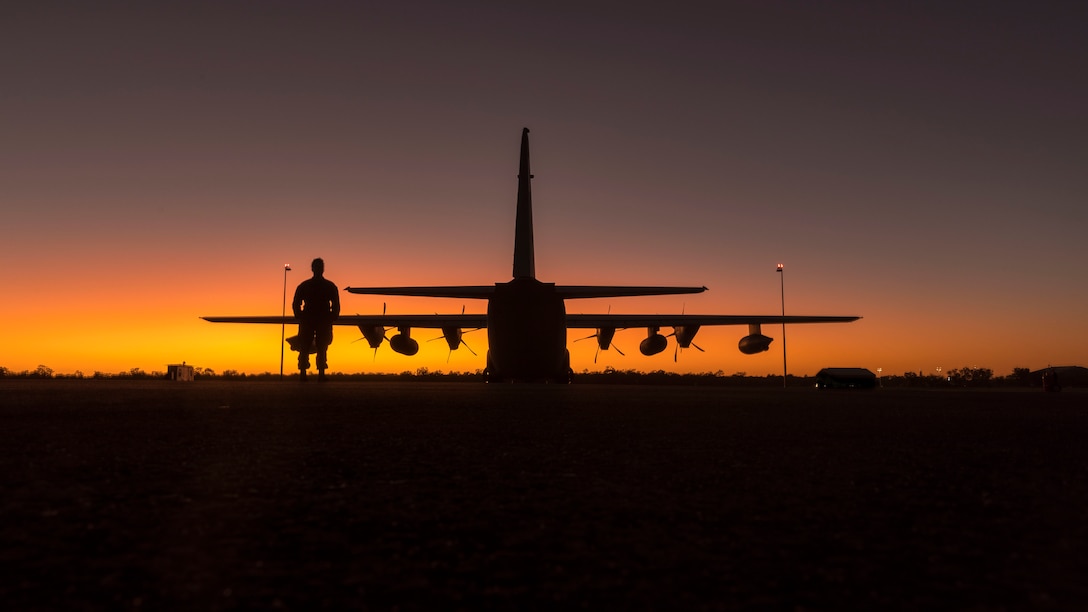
[[296, 302]]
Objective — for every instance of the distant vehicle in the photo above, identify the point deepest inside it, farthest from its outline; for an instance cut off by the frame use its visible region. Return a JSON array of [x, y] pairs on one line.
[[845, 378], [526, 319]]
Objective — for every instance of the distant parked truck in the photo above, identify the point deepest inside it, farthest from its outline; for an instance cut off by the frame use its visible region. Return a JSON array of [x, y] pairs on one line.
[[179, 372], [845, 378]]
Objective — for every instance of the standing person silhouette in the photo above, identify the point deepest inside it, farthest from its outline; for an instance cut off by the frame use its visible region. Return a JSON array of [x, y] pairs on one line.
[[316, 305]]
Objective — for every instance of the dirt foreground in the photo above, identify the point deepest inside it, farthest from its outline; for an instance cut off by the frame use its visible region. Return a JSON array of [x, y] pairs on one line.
[[220, 495]]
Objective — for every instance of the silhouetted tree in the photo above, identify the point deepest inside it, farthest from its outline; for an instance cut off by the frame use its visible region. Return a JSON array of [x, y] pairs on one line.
[[971, 377], [1022, 376]]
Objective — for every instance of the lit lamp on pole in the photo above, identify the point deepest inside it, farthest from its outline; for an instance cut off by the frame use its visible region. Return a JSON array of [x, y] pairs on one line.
[[283, 315], [782, 287]]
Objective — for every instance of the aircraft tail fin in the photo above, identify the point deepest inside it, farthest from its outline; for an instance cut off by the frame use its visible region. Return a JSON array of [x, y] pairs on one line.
[[524, 257]]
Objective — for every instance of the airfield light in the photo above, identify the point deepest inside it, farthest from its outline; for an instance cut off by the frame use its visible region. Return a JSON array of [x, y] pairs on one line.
[[782, 286], [283, 314]]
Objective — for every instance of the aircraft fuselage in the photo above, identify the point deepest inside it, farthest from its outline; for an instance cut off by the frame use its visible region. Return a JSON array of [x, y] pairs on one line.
[[526, 333]]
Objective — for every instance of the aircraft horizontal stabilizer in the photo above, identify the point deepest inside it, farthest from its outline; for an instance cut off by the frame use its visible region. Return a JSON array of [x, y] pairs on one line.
[[452, 291], [608, 291]]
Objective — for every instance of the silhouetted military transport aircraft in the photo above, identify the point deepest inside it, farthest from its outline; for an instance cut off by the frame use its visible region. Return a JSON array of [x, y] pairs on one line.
[[526, 319]]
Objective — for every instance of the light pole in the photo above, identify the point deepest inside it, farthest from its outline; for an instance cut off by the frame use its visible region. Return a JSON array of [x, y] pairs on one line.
[[782, 286], [283, 314]]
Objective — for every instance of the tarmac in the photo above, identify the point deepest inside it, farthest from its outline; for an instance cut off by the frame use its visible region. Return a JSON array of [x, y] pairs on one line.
[[277, 495]]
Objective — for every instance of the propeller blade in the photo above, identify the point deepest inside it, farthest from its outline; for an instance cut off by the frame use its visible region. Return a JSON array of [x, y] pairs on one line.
[[464, 344]]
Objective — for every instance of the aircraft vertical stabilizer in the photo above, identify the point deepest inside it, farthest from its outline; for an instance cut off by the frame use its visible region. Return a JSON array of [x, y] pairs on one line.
[[524, 258]]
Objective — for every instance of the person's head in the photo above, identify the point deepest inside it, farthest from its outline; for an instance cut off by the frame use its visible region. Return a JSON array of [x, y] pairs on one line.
[[318, 266]]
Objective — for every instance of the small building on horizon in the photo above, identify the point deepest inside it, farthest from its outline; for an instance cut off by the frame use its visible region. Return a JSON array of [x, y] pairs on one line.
[[1061, 376], [845, 378], [180, 371]]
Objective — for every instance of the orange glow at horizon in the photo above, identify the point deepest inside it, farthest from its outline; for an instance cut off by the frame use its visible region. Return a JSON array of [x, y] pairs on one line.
[[145, 322], [143, 311]]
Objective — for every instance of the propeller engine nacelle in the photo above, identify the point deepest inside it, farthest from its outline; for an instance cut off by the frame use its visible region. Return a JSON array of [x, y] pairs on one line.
[[685, 334], [374, 335], [403, 343], [654, 342], [604, 337], [452, 336]]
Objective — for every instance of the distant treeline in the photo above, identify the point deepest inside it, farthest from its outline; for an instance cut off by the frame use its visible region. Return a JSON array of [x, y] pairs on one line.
[[962, 377]]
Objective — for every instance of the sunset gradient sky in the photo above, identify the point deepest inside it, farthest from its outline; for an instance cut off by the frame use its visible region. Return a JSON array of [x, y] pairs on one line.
[[921, 164]]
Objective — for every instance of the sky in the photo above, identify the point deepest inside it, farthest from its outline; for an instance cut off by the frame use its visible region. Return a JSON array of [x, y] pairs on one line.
[[918, 164]]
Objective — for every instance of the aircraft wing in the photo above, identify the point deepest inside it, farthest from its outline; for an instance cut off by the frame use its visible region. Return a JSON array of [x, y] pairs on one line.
[[577, 321], [434, 321], [620, 321]]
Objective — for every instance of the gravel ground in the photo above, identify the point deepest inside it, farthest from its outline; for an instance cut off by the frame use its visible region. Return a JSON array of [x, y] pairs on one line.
[[220, 495]]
